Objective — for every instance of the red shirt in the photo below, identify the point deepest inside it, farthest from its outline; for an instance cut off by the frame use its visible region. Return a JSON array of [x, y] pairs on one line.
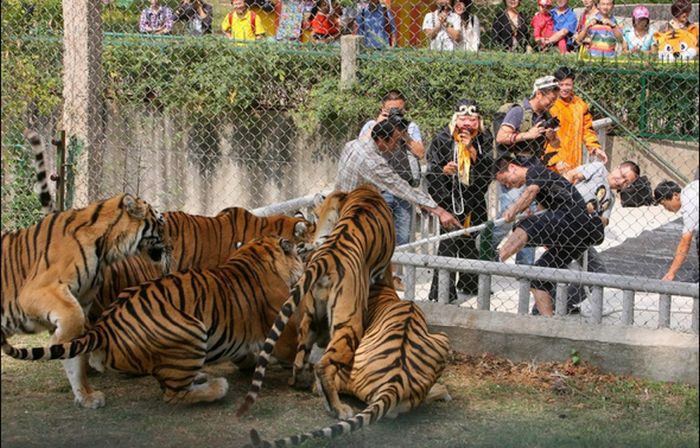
[[322, 26], [542, 25]]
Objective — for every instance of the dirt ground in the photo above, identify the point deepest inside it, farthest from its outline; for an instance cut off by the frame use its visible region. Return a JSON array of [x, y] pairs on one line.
[[496, 403]]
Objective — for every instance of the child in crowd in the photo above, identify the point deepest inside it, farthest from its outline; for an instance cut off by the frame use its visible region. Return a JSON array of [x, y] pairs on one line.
[[242, 23], [324, 26], [680, 10], [638, 38], [602, 30], [590, 8], [543, 24]]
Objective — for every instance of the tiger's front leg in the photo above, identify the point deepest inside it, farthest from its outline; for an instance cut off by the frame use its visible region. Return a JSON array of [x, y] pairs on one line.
[[67, 315]]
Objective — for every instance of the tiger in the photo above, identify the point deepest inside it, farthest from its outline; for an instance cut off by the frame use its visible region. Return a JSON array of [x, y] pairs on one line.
[[396, 367], [355, 240], [172, 326], [50, 271], [199, 242]]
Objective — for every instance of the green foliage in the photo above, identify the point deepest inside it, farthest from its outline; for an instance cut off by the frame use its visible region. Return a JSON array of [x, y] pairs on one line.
[[21, 206]]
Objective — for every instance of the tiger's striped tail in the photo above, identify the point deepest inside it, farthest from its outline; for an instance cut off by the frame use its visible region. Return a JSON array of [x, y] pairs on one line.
[[372, 413], [84, 344], [304, 284], [42, 183]]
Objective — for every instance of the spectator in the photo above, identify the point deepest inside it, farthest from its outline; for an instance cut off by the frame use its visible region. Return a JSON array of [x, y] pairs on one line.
[[293, 19], [459, 173], [361, 162], [404, 161], [324, 25], [524, 133], [575, 126], [564, 228], [638, 38], [680, 12], [596, 185], [542, 24], [470, 37], [442, 27], [377, 25], [590, 8], [197, 14], [510, 29], [602, 31], [242, 23], [670, 196], [564, 27], [156, 19]]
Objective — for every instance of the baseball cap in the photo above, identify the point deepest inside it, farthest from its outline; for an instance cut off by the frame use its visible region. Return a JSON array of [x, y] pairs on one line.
[[640, 12], [544, 83], [467, 107], [665, 190]]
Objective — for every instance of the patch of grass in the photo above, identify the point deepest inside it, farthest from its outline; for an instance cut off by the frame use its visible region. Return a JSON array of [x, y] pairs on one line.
[[496, 403]]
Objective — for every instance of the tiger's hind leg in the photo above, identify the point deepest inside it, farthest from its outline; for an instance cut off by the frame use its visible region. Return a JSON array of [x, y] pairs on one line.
[[437, 393]]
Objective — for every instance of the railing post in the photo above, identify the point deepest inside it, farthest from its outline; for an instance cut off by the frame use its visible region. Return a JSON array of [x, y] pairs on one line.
[[523, 296], [664, 310], [597, 304], [409, 274], [444, 286], [695, 323], [628, 307], [484, 298], [562, 295]]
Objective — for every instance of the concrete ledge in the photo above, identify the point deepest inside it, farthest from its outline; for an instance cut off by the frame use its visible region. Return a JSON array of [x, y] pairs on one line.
[[661, 355]]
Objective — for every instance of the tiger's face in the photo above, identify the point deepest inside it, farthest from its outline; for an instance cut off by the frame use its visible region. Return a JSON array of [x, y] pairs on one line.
[[148, 225], [281, 253], [323, 219]]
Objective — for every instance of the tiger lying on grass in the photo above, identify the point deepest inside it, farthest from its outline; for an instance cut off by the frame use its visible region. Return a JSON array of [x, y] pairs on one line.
[[396, 367], [171, 327], [50, 271], [198, 242], [356, 235]]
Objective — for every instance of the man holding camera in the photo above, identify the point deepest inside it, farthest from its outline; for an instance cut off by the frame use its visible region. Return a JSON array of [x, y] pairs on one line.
[[362, 162], [524, 132], [443, 27], [197, 16], [459, 173], [575, 126]]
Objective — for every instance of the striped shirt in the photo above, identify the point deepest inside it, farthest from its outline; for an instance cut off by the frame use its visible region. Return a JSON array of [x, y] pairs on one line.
[[360, 163], [603, 39]]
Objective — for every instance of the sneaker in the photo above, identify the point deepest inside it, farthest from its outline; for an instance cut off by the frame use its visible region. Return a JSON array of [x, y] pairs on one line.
[[398, 284]]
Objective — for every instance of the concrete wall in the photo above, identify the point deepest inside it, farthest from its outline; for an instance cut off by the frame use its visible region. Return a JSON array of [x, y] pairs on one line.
[[661, 355]]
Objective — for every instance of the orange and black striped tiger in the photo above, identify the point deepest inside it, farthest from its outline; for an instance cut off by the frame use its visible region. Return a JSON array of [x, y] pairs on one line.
[[395, 369], [171, 327], [50, 271], [198, 242], [356, 235]]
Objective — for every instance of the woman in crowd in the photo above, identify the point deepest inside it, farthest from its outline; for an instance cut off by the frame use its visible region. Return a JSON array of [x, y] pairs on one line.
[[471, 30], [510, 29]]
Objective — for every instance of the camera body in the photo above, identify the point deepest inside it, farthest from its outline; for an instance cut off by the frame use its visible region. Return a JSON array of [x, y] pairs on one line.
[[550, 122], [396, 116]]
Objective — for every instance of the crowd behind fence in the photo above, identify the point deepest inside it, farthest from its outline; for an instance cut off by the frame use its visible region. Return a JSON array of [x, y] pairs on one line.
[[200, 123]]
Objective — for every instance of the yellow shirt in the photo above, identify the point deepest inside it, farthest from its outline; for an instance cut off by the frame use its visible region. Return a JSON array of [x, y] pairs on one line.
[[575, 131], [240, 27]]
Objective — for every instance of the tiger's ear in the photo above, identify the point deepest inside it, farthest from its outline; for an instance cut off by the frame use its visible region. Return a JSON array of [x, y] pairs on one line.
[[300, 229], [287, 246], [134, 207]]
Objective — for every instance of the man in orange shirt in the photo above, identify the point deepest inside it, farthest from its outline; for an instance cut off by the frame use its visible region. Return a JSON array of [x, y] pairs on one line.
[[242, 23], [576, 126]]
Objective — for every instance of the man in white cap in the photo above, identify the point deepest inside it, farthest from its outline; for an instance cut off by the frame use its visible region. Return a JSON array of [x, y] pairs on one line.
[[524, 132]]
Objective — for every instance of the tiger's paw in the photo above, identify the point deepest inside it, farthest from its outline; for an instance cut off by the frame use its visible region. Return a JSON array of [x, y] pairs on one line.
[[343, 411], [94, 400]]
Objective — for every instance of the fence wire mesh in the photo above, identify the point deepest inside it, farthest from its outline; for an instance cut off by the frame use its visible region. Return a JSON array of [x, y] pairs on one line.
[[198, 106]]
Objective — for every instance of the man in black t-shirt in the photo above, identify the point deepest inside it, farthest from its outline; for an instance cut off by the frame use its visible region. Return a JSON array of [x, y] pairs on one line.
[[565, 228]]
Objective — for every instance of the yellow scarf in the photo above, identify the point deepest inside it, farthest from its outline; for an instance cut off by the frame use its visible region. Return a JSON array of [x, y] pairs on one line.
[[464, 158]]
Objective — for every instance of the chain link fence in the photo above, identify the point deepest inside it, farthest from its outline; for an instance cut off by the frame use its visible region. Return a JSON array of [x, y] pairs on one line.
[[163, 103]]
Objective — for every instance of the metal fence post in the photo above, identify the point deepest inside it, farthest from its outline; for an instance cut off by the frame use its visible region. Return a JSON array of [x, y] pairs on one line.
[[484, 295], [664, 310], [562, 295], [597, 304], [695, 323], [444, 286], [523, 296], [628, 307]]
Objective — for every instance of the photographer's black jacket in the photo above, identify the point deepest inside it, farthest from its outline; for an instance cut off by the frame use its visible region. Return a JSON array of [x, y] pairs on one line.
[[441, 186]]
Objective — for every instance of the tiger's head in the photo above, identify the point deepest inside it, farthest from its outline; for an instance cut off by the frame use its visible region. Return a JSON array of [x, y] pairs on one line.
[[139, 228], [278, 253], [323, 218], [677, 45]]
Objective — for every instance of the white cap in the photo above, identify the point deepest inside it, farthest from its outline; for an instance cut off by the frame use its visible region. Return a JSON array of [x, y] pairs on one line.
[[545, 82]]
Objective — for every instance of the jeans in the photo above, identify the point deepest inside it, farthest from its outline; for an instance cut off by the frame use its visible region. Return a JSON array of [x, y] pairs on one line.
[[506, 198], [401, 210]]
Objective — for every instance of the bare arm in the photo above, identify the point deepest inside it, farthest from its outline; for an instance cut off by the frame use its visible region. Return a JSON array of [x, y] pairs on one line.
[[522, 203], [681, 255]]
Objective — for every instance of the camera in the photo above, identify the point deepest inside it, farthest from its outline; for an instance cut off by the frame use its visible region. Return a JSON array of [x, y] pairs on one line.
[[550, 123], [395, 116]]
